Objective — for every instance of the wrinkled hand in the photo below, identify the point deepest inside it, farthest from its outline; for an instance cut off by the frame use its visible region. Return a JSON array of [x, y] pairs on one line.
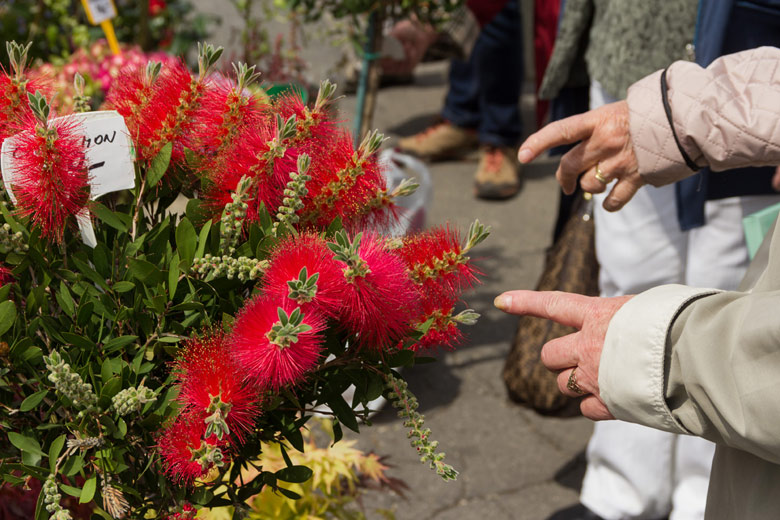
[[605, 142], [580, 350]]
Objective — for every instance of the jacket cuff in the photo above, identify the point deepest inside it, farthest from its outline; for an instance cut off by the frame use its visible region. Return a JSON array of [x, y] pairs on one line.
[[658, 157], [631, 370]]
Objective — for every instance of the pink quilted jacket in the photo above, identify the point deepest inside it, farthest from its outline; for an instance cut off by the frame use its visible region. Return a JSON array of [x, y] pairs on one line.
[[725, 116]]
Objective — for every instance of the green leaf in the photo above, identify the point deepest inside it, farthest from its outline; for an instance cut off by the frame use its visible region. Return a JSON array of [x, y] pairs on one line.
[[159, 165], [7, 316], [72, 465], [118, 342], [146, 272], [54, 451], [289, 494], [65, 300], [70, 490], [28, 444], [123, 286], [401, 358], [203, 238], [344, 413], [88, 491], [294, 474], [121, 429], [79, 341], [85, 314], [101, 257], [33, 400], [173, 275], [108, 217], [109, 390], [201, 496], [186, 240]]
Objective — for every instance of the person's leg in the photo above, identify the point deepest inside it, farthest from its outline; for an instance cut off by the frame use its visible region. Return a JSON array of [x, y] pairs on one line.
[[499, 71], [498, 66], [692, 464], [628, 471], [461, 105]]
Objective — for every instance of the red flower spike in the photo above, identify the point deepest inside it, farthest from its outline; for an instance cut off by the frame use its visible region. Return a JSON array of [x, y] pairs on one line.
[[343, 183], [310, 123], [6, 276], [222, 114], [435, 259], [157, 112], [185, 453], [380, 300], [438, 307], [14, 106], [51, 179], [272, 357], [212, 386], [307, 251], [251, 155]]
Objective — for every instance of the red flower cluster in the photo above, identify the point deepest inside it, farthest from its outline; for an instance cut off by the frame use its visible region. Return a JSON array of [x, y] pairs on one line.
[[375, 293], [235, 135], [441, 272]]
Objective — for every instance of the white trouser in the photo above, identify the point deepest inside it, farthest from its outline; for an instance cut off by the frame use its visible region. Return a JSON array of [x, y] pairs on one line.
[[635, 472]]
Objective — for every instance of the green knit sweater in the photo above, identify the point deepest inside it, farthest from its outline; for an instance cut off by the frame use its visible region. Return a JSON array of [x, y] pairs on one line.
[[624, 40]]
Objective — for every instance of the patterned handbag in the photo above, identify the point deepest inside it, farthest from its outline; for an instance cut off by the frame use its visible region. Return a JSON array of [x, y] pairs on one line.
[[570, 266]]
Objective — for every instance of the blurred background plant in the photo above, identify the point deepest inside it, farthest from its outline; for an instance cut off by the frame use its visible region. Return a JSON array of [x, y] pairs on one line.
[[58, 28], [278, 57], [340, 474]]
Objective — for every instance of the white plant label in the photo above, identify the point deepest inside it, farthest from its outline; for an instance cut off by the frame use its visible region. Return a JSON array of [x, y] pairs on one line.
[[99, 11], [109, 154]]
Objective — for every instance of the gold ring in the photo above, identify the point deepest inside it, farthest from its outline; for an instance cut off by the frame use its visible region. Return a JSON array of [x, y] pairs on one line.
[[599, 176], [572, 383]]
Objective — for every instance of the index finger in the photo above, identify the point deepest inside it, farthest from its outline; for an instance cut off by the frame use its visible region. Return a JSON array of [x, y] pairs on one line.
[[564, 131], [565, 308]]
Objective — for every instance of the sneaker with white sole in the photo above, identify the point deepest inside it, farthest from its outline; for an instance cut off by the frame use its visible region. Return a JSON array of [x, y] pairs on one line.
[[440, 141], [498, 174]]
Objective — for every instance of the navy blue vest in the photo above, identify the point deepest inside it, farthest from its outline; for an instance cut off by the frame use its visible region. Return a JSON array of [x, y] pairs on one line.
[[724, 27]]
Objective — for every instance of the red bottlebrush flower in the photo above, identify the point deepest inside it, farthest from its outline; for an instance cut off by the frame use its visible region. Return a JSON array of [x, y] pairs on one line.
[[273, 353], [185, 454], [435, 259], [344, 185], [307, 251], [51, 177], [380, 300], [212, 384]]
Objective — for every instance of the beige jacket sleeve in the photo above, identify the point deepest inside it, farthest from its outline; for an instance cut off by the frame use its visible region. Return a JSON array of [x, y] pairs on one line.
[[725, 116], [703, 361]]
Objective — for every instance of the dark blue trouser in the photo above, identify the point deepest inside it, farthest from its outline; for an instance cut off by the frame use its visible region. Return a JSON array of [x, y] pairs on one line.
[[485, 91]]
